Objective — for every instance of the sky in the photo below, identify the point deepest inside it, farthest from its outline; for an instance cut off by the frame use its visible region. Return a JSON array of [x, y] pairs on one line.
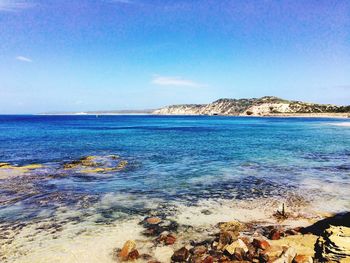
[[58, 55]]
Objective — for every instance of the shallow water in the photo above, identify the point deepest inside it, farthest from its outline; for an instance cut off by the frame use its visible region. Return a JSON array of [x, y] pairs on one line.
[[173, 162]]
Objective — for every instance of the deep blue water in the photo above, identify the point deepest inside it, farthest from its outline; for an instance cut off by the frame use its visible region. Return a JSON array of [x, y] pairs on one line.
[[183, 158]]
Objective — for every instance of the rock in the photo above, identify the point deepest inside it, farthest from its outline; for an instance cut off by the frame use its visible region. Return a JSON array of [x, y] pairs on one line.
[[167, 239], [208, 259], [236, 244], [200, 250], [275, 234], [260, 243], [239, 254], [233, 226], [180, 255], [128, 247], [302, 259], [226, 238], [274, 251], [153, 220], [133, 255], [263, 258], [287, 256], [334, 244]]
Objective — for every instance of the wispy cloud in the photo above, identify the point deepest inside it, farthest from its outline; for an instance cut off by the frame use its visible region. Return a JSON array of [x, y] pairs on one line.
[[175, 81], [13, 5], [23, 59], [122, 1]]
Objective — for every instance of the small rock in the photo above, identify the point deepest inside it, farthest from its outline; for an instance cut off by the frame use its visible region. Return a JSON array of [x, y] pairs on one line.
[[236, 244], [170, 240], [180, 255], [225, 238], [129, 246], [260, 243], [302, 259], [263, 258], [133, 255], [153, 220], [200, 250], [208, 259], [274, 251], [287, 256], [275, 234], [239, 254]]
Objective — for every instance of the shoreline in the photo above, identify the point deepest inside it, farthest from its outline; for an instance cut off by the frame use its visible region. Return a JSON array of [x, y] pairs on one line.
[[313, 115]]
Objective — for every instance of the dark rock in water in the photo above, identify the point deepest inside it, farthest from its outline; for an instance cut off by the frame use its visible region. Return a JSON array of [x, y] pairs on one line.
[[180, 255], [334, 245], [155, 226]]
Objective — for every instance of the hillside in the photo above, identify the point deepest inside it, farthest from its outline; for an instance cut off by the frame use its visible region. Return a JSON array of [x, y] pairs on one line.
[[265, 106]]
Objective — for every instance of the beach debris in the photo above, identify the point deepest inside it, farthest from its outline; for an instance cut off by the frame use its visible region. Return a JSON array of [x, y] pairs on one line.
[[180, 255], [334, 244], [128, 252], [281, 215]]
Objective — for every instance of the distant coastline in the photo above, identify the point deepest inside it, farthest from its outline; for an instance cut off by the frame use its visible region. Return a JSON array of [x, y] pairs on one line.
[[267, 106]]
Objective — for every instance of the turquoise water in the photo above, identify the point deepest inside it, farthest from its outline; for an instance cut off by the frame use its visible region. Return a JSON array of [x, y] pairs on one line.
[[181, 159]]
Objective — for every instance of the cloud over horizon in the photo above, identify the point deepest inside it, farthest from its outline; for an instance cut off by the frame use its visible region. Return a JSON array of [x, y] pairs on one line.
[[23, 59], [175, 81]]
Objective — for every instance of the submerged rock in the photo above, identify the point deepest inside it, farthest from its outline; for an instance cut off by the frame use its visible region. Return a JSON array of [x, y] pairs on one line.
[[334, 244], [97, 164]]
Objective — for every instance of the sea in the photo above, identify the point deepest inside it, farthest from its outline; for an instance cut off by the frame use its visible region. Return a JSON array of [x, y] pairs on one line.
[[68, 183]]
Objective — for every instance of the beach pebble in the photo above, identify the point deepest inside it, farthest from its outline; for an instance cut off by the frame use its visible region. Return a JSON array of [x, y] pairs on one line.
[[236, 244], [287, 256], [275, 234], [302, 259], [153, 220], [180, 255], [260, 243], [208, 259], [128, 247]]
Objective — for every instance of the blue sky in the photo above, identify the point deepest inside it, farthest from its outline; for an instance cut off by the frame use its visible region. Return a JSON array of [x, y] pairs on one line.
[[134, 54]]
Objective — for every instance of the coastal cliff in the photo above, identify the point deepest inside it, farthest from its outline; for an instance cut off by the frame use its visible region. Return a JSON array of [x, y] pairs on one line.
[[265, 106]]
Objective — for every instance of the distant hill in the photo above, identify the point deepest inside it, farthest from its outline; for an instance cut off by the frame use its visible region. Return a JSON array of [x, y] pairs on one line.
[[265, 106]]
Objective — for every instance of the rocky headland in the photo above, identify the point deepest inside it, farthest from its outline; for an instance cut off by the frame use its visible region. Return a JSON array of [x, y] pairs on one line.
[[265, 106]]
